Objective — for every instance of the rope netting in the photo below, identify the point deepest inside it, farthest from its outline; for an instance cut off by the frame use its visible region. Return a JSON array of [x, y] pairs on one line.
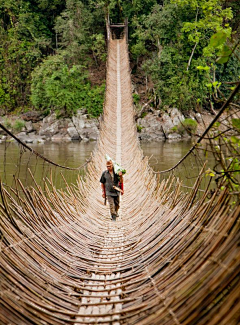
[[170, 258]]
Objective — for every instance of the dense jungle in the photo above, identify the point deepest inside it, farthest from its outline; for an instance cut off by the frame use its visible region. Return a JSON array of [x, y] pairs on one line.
[[183, 54]]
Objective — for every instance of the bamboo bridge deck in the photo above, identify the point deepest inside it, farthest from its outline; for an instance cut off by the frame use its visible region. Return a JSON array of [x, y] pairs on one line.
[[168, 259]]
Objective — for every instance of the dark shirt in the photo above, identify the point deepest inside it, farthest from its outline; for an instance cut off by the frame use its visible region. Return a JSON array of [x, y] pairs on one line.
[[107, 180]]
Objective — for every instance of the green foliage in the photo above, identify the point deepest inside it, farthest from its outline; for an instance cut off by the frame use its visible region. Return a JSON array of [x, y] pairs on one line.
[[80, 29], [7, 123], [175, 86], [57, 86], [209, 172], [25, 34], [236, 124], [98, 47], [18, 125], [139, 128], [225, 147], [176, 43], [93, 100], [188, 125], [136, 98], [33, 30], [209, 16], [218, 39], [174, 129], [143, 114]]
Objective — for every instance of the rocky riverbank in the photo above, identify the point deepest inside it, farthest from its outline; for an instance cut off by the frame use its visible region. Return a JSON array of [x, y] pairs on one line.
[[154, 125], [31, 127]]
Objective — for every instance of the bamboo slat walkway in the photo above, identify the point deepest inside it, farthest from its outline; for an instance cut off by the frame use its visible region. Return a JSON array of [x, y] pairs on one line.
[[168, 259]]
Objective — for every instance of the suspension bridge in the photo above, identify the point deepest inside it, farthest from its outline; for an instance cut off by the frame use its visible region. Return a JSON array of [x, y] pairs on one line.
[[170, 258]]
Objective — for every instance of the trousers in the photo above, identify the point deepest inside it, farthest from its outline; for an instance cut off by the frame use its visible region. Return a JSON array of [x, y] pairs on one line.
[[113, 204]]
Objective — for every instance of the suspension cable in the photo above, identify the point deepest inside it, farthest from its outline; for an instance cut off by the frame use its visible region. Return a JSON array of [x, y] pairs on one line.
[[39, 155]]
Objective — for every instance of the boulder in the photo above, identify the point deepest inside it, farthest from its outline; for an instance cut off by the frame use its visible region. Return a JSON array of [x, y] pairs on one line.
[[85, 127], [49, 126], [157, 125], [176, 116], [174, 136], [32, 116], [29, 126], [198, 117], [73, 133], [58, 137], [21, 134], [30, 137]]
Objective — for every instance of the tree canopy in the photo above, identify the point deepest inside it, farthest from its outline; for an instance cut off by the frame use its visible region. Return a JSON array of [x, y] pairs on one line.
[[187, 50]]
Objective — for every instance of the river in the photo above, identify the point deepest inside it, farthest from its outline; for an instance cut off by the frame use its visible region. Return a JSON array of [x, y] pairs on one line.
[[162, 155]]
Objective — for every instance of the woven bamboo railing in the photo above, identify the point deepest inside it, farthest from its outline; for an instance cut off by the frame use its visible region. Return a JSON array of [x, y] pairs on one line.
[[168, 259]]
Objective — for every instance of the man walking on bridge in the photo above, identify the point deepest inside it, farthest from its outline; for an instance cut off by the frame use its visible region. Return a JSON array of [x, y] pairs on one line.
[[110, 183]]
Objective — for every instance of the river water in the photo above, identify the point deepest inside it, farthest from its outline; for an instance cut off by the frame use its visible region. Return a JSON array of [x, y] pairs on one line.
[[162, 155]]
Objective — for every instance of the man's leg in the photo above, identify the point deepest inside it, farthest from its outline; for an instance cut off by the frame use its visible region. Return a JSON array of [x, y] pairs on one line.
[[112, 206], [117, 204]]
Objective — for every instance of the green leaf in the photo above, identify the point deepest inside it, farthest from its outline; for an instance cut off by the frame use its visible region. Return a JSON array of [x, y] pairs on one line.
[[226, 51], [217, 124], [218, 39], [236, 123], [203, 68], [210, 173], [222, 59], [235, 140]]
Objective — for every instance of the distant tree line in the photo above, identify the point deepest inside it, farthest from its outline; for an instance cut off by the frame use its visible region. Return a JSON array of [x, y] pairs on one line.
[[48, 48]]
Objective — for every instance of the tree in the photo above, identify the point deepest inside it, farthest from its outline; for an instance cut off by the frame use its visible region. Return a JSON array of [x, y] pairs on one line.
[[27, 37], [58, 87]]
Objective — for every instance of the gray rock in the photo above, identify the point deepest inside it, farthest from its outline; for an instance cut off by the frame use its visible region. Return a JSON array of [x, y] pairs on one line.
[[174, 136], [30, 138], [156, 125], [59, 137], [145, 137], [32, 116], [29, 126], [86, 128], [90, 133], [40, 141], [176, 116], [37, 126], [50, 126], [56, 137], [74, 135], [198, 117], [21, 135]]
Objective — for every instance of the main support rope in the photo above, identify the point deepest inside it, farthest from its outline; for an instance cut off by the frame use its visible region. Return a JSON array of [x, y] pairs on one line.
[[37, 154]]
